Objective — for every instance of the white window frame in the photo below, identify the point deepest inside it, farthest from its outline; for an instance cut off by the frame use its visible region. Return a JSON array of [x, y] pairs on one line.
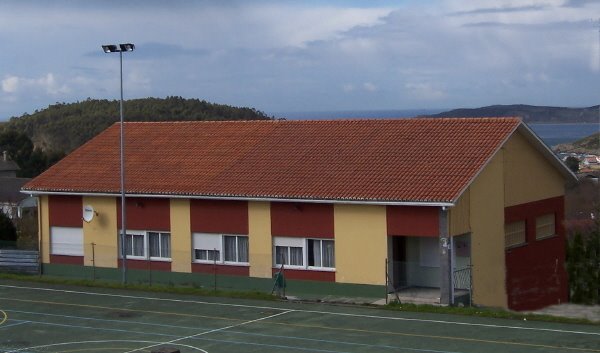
[[297, 242], [217, 242], [322, 249], [146, 235], [66, 241]]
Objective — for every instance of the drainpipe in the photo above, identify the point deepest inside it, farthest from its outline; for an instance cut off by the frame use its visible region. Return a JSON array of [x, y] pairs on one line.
[[446, 285]]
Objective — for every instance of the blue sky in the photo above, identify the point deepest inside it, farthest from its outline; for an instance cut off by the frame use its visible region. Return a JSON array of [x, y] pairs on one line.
[[280, 56]]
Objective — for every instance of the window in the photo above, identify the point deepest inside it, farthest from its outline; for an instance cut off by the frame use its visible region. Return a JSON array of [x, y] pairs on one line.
[[160, 244], [66, 241], [514, 234], [545, 226], [303, 253], [220, 248], [320, 253], [235, 248], [148, 245]]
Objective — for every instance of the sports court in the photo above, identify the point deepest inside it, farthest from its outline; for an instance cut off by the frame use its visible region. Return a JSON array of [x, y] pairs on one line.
[[38, 317]]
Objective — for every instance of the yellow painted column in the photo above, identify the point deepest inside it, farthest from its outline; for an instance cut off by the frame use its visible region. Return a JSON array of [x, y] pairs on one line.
[[360, 243], [181, 236], [487, 235], [259, 239], [102, 231], [44, 228]]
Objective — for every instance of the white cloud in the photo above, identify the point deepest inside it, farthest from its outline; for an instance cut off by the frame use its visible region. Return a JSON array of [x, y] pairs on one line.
[[370, 87], [10, 84], [424, 91], [348, 87], [46, 83]]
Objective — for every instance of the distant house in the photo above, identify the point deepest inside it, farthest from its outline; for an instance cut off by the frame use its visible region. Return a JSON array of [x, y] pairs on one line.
[[10, 187], [329, 201]]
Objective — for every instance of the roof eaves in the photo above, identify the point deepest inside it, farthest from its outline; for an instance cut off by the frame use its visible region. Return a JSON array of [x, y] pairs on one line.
[[356, 201]]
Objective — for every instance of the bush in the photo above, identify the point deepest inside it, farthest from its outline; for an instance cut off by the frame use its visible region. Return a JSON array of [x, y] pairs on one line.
[[583, 266], [8, 231]]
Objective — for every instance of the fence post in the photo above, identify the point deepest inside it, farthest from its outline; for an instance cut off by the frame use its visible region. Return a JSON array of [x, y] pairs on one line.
[[93, 262], [386, 281], [215, 268]]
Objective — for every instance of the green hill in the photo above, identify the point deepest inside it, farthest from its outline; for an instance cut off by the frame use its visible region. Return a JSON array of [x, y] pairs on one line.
[[65, 126], [530, 113], [590, 144]]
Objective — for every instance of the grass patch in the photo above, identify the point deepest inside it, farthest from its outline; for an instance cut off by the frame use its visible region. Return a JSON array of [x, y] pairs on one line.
[[168, 288], [209, 292], [486, 312]]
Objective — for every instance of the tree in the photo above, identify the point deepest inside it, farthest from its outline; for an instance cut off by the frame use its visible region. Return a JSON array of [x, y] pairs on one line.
[[7, 228], [17, 144], [572, 163]]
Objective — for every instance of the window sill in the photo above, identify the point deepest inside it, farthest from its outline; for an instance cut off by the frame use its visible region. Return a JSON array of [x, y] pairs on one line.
[[516, 246], [221, 263], [302, 268], [547, 237]]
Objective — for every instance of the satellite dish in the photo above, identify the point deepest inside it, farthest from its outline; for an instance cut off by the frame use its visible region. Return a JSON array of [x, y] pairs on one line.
[[88, 213]]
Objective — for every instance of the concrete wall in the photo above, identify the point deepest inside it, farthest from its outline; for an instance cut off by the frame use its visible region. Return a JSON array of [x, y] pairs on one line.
[[259, 239], [487, 235], [102, 231], [181, 236], [360, 244]]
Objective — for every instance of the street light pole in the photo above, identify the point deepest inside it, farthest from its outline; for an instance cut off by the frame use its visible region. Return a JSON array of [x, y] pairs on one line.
[[111, 48]]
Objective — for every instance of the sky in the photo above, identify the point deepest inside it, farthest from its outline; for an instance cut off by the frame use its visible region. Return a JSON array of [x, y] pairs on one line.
[[295, 56]]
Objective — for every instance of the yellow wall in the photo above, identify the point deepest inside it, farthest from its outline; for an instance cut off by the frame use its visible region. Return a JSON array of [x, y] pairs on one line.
[[360, 243], [459, 215], [259, 239], [487, 235], [181, 236], [528, 175], [44, 228], [102, 231]]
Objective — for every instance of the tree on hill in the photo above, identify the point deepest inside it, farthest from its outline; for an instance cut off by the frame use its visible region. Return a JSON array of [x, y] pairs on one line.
[[64, 127], [31, 161]]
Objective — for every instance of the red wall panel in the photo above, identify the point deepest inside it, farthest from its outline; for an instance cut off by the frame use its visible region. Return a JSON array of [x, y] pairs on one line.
[[65, 211], [412, 221], [66, 260], [146, 213], [147, 265], [217, 216], [291, 219], [221, 269], [535, 272], [308, 275]]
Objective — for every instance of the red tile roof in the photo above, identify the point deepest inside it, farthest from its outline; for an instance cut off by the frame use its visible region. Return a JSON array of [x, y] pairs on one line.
[[399, 160]]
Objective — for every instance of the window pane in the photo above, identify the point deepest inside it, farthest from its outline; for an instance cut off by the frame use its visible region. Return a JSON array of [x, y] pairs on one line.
[[328, 253], [200, 254], [296, 256], [243, 249], [230, 248], [514, 233], [165, 245], [314, 252], [545, 226], [138, 245], [128, 242], [281, 255], [154, 244], [214, 255]]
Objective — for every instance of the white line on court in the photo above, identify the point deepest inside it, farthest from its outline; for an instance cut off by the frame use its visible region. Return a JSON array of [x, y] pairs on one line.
[[15, 324], [214, 330], [372, 346], [103, 341], [445, 322]]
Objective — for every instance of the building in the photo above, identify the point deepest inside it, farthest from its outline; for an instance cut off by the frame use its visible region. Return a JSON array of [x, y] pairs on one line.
[[10, 186], [330, 200]]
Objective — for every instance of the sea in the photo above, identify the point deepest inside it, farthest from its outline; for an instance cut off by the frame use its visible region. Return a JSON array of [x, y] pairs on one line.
[[551, 134]]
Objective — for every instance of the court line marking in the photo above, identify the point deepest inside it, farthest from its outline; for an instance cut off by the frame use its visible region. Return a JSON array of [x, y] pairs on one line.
[[216, 330], [4, 318], [344, 329], [195, 328], [15, 324], [306, 311], [99, 341]]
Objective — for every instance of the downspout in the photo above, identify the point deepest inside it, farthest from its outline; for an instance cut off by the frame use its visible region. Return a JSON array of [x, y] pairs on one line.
[[446, 285], [40, 249]]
